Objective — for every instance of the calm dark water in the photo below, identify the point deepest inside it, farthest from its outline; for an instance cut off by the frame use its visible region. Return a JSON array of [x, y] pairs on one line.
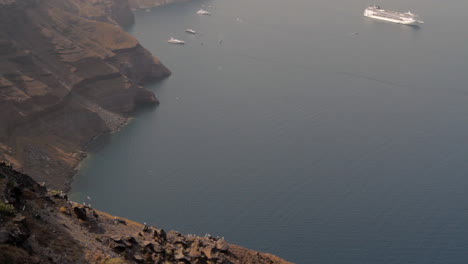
[[297, 136]]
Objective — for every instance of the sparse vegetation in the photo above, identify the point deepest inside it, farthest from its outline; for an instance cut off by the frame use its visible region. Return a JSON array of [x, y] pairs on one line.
[[64, 210], [54, 192], [7, 209], [114, 261]]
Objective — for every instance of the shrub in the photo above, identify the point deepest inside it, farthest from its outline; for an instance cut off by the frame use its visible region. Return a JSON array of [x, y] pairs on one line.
[[54, 192], [7, 209], [114, 261], [63, 210]]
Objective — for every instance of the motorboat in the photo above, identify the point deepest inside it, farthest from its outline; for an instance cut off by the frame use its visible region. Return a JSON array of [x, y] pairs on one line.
[[203, 12], [190, 31], [175, 41]]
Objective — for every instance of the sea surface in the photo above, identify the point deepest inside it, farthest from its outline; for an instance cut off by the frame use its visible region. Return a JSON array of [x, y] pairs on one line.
[[310, 132]]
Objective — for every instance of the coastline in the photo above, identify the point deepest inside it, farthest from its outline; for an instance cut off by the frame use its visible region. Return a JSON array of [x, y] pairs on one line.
[[145, 4], [114, 121], [93, 80]]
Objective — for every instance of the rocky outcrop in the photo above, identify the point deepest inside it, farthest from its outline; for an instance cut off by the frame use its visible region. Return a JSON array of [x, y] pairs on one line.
[[68, 72], [43, 226]]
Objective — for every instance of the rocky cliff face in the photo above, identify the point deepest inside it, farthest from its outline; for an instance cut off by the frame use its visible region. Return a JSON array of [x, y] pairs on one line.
[[68, 73], [41, 226]]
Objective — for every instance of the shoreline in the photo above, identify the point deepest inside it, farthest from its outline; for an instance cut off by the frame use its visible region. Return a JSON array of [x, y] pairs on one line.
[[117, 122], [88, 147], [136, 5]]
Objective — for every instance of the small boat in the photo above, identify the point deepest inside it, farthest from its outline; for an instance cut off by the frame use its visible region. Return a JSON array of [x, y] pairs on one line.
[[203, 12], [175, 41], [191, 31]]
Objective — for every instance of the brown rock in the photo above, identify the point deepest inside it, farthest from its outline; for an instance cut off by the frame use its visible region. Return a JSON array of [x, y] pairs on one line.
[[179, 254], [80, 213], [117, 239], [222, 245], [129, 241], [162, 234], [138, 257], [120, 221], [157, 258], [147, 243], [115, 244], [117, 247], [208, 251], [194, 251], [158, 248]]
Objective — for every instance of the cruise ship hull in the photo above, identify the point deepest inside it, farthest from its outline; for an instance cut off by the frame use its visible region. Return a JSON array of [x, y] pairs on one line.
[[415, 22], [391, 16]]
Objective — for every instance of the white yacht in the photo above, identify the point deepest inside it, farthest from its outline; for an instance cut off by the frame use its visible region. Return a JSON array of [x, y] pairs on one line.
[[175, 41], [407, 18], [203, 12], [191, 31]]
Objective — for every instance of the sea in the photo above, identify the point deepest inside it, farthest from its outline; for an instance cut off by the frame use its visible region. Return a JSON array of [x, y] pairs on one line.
[[299, 128]]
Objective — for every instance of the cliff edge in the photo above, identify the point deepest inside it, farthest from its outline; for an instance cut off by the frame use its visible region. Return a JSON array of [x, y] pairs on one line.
[[68, 72], [38, 225]]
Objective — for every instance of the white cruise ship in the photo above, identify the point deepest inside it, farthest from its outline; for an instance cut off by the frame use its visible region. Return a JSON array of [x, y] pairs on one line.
[[391, 16]]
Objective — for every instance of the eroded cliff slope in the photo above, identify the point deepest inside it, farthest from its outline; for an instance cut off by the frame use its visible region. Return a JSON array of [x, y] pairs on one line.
[[68, 72], [41, 226]]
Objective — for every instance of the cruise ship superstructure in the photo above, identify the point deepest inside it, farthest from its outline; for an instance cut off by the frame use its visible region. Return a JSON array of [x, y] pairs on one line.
[[407, 18]]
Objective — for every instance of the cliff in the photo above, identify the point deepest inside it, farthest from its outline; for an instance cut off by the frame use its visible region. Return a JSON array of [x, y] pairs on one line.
[[38, 225], [68, 73]]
